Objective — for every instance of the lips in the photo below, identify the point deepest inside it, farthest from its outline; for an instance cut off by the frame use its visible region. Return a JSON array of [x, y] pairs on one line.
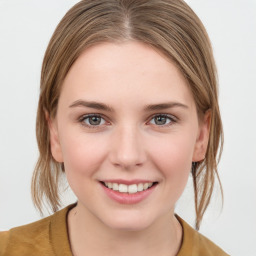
[[128, 192], [131, 189]]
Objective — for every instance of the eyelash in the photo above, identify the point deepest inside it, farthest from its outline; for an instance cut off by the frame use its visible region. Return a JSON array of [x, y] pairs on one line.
[[172, 119], [84, 117]]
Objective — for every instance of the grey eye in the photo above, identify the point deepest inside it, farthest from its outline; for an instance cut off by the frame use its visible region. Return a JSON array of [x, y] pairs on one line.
[[93, 120], [161, 120]]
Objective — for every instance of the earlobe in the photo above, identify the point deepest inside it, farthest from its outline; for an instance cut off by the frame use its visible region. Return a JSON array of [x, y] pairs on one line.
[[202, 138], [54, 138]]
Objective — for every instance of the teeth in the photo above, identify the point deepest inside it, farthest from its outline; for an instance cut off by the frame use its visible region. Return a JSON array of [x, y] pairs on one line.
[[145, 186], [115, 186], [140, 187], [131, 189], [123, 188]]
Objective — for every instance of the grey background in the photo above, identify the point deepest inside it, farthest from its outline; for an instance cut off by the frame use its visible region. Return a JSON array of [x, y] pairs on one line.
[[25, 29]]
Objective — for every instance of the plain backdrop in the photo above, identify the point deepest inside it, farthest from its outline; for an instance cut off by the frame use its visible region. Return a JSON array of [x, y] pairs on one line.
[[25, 29]]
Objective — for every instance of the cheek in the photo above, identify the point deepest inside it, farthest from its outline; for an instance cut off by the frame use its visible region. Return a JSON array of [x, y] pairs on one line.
[[82, 154], [173, 157], [175, 150]]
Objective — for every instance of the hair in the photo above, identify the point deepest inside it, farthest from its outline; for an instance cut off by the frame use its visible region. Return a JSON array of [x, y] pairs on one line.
[[169, 26]]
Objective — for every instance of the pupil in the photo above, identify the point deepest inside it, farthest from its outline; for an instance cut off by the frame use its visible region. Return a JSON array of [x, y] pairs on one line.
[[160, 120], [94, 120]]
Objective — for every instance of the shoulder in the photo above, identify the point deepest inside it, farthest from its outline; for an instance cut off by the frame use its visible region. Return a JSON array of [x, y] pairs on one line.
[[195, 244], [35, 238], [25, 239], [4, 238]]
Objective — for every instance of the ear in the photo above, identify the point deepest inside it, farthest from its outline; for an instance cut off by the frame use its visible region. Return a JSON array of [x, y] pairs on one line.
[[202, 137], [54, 138]]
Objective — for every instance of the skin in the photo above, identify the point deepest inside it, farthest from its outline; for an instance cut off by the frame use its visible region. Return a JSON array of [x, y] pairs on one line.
[[127, 144]]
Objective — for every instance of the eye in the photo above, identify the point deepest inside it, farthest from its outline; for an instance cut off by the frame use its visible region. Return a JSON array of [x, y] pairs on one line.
[[92, 120], [162, 120]]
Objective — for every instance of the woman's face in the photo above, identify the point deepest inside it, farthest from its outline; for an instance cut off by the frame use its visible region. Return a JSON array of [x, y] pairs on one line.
[[126, 120]]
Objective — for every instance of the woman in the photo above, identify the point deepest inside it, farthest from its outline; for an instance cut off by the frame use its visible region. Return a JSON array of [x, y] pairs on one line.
[[128, 109]]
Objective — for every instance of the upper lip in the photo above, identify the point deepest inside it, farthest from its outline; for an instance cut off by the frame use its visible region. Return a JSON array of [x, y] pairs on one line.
[[128, 182]]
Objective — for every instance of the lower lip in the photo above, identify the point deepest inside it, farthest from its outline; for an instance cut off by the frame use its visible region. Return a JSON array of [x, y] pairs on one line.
[[126, 198]]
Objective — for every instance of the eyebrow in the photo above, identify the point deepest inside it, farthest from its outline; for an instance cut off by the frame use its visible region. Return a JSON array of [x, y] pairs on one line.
[[162, 106], [102, 106], [91, 104]]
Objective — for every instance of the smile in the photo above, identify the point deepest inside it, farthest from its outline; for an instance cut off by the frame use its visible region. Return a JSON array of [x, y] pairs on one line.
[[130, 189], [128, 192]]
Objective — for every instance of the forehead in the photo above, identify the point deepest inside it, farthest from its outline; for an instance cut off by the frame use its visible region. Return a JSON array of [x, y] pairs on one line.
[[109, 70]]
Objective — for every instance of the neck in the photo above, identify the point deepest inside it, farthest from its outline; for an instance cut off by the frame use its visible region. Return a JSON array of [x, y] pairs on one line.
[[89, 236]]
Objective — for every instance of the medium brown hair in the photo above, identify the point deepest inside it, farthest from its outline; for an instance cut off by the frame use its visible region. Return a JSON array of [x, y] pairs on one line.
[[169, 26]]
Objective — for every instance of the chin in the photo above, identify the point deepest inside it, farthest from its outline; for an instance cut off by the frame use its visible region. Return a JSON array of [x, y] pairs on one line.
[[128, 221]]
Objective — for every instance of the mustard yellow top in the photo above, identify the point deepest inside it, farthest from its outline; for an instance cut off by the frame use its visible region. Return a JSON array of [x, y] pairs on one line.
[[49, 236]]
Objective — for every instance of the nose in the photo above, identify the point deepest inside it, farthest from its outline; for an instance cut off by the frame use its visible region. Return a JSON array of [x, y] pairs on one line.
[[127, 149]]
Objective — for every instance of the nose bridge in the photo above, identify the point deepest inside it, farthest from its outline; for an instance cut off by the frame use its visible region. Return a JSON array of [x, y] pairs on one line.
[[128, 150]]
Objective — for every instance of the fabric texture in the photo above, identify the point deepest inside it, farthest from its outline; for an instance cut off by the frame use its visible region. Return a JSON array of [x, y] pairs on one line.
[[49, 236]]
